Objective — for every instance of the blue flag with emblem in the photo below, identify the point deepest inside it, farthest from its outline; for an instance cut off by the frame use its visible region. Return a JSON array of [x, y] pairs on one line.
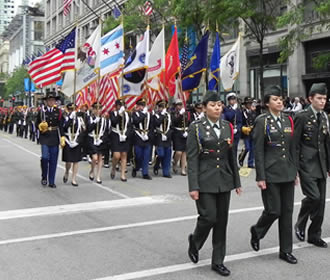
[[215, 65], [197, 64]]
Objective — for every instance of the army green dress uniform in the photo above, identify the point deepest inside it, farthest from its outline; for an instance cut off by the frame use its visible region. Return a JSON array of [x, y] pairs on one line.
[[213, 171], [312, 138], [276, 165]]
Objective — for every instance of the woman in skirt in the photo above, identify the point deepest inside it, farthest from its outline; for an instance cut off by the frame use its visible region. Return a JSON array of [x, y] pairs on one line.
[[98, 139], [119, 138], [73, 128]]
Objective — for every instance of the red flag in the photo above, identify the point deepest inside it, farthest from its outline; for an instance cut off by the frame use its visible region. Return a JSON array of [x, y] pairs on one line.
[[109, 91], [172, 64]]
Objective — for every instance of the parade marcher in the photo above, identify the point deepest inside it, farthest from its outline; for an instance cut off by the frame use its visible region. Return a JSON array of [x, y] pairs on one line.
[[10, 120], [98, 138], [312, 143], [121, 131], [296, 106], [163, 139], [180, 123], [233, 114], [32, 123], [84, 113], [49, 122], [198, 112], [73, 129], [106, 157], [249, 116], [25, 122], [143, 128], [212, 174], [276, 172]]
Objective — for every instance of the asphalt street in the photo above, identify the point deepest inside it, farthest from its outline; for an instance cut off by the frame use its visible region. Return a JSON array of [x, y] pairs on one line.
[[132, 230]]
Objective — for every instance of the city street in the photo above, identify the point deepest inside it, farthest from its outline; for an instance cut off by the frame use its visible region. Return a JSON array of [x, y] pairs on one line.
[[133, 230]]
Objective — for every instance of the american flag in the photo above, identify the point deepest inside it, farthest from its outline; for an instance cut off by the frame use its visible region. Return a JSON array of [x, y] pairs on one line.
[[130, 102], [184, 56], [147, 8], [109, 91], [66, 7], [46, 69]]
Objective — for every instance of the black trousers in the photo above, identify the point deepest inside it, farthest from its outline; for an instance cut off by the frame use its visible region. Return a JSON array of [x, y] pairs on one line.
[[213, 211], [312, 206], [278, 200]]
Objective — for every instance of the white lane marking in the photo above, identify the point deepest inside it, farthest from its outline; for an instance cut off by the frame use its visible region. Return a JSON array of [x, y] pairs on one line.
[[113, 228], [188, 266], [83, 207], [78, 175]]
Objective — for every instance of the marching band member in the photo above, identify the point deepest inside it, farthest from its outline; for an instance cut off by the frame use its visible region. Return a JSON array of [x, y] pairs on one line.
[[163, 139], [119, 138], [73, 128], [98, 138], [180, 122], [142, 123], [49, 123]]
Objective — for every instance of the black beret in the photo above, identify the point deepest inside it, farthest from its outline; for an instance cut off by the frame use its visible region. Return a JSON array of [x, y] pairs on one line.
[[141, 102], [70, 106], [211, 96], [161, 103], [320, 88], [119, 102]]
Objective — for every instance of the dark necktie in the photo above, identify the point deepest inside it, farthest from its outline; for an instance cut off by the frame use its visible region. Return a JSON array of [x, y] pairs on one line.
[[318, 118], [215, 126], [279, 122]]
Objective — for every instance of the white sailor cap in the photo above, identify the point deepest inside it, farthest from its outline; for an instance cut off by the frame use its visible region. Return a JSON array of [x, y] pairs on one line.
[[231, 95]]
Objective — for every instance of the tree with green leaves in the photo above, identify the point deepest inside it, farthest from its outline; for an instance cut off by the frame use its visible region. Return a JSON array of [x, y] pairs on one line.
[[302, 27], [258, 18], [15, 83]]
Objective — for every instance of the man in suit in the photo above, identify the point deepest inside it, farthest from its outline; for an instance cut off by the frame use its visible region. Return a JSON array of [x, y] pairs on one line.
[[49, 122], [312, 142], [212, 175]]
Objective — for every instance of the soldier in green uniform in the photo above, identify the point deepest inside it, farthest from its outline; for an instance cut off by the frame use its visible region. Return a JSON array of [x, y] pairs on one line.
[[276, 172], [212, 174], [312, 138]]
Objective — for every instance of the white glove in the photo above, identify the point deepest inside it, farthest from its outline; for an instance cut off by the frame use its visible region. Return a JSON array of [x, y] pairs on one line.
[[163, 111], [235, 130], [121, 110], [73, 115], [164, 137], [182, 111], [145, 110], [235, 106], [97, 119], [185, 134]]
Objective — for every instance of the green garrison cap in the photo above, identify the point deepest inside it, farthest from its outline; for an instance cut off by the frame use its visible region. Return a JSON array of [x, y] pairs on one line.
[[272, 90], [211, 96], [320, 88]]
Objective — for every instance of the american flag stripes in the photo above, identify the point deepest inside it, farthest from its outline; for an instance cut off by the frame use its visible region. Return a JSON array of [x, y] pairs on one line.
[[109, 91], [66, 7], [46, 69], [147, 8]]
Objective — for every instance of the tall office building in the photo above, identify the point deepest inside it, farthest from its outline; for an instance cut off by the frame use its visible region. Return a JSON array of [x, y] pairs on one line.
[[7, 12]]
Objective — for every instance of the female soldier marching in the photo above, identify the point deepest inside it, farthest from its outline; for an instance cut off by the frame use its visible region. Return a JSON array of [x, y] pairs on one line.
[[73, 127], [121, 129], [276, 172], [98, 138], [212, 175]]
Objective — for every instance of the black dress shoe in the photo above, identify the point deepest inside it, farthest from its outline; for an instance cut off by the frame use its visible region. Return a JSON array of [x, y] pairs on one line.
[[90, 177], [123, 179], [133, 173], [44, 182], [221, 269], [192, 250], [288, 257], [240, 163], [299, 233], [99, 181], [112, 175], [147, 177], [65, 179], [52, 186], [318, 243], [167, 176], [74, 184], [255, 243], [155, 171]]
